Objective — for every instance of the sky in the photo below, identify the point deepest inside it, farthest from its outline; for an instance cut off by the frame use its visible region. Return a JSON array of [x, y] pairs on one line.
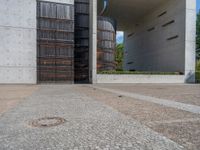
[[198, 5], [120, 35]]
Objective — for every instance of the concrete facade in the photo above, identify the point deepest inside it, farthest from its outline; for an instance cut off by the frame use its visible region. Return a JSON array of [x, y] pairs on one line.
[[166, 43], [18, 41], [161, 38], [150, 46], [147, 43], [18, 31]]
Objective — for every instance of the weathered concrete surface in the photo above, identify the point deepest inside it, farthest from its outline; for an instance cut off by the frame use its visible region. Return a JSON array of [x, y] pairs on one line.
[[89, 124], [18, 41], [18, 33], [103, 78]]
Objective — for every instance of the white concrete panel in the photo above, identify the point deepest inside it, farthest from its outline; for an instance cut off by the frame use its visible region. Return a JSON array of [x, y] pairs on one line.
[[18, 13], [190, 40], [191, 25], [191, 4], [17, 75], [61, 1], [140, 78], [18, 41], [18, 47], [93, 41]]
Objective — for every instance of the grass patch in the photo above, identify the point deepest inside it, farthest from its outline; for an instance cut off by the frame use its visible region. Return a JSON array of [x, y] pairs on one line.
[[198, 72], [137, 73]]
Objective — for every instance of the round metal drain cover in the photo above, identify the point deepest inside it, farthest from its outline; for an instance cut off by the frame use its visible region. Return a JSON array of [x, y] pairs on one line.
[[47, 122]]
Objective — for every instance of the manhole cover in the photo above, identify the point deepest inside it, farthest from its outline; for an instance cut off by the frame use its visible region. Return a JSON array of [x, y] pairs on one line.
[[47, 122]]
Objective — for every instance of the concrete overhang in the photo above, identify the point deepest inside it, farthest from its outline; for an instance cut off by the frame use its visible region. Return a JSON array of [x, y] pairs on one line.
[[128, 12]]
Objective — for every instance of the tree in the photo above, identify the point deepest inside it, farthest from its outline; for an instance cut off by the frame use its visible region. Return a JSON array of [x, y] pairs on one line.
[[119, 56]]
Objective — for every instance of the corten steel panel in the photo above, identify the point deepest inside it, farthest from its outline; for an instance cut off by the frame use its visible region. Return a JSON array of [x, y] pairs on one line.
[[55, 42], [81, 41], [106, 43]]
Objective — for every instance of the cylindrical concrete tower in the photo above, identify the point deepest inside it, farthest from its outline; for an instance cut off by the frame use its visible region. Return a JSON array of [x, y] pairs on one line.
[[106, 43]]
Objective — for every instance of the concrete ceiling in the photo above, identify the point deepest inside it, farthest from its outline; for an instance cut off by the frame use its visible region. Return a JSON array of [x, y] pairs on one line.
[[127, 12]]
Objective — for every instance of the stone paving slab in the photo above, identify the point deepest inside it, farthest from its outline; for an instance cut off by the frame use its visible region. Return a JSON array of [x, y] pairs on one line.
[[89, 125], [184, 93], [164, 102], [145, 112], [165, 120]]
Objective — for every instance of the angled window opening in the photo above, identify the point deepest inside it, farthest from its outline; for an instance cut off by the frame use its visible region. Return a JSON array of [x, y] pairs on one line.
[[162, 14], [172, 38], [168, 23], [151, 29]]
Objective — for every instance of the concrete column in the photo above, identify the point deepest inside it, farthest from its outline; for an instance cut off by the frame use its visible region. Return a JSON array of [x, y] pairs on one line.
[[93, 41], [190, 41]]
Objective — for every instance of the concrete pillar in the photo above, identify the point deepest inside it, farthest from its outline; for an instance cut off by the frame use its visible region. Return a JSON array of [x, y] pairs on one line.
[[190, 41], [93, 41]]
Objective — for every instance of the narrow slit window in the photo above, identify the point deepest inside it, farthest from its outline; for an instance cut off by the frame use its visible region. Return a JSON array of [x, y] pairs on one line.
[[162, 14], [151, 29], [168, 23], [129, 63], [131, 34], [172, 38]]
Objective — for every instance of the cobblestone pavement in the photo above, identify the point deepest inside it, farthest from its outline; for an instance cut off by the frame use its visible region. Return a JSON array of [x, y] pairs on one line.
[[90, 124], [11, 95], [165, 102], [180, 126], [185, 93]]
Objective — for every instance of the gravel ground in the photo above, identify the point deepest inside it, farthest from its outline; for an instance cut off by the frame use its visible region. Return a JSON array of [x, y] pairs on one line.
[[90, 124], [153, 115], [189, 94]]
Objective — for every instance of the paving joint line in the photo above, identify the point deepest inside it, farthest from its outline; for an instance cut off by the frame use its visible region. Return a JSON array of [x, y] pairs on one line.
[[164, 102]]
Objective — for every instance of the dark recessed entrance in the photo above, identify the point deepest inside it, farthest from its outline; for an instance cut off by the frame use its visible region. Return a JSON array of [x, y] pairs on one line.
[[81, 55]]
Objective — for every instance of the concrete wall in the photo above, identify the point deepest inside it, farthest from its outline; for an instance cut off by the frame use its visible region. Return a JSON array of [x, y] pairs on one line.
[[148, 45], [18, 40], [140, 78]]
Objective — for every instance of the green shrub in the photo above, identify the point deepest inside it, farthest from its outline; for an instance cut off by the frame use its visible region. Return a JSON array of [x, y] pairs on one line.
[[198, 65], [198, 71]]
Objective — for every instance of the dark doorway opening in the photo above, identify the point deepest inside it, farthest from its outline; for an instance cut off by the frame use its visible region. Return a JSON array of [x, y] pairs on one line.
[[81, 53]]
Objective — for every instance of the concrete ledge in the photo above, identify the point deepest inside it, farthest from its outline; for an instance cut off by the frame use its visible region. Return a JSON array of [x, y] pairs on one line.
[[140, 78]]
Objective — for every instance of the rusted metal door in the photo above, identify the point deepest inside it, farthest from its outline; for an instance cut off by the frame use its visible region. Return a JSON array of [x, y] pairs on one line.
[[55, 56]]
